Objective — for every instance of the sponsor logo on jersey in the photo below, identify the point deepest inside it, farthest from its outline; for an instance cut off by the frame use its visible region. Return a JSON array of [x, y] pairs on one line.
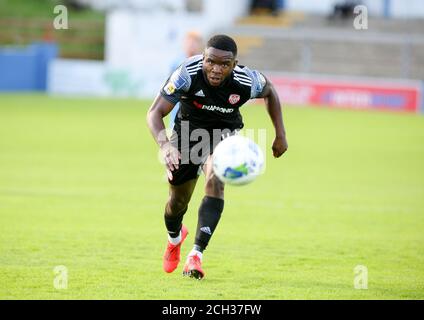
[[234, 98], [212, 108]]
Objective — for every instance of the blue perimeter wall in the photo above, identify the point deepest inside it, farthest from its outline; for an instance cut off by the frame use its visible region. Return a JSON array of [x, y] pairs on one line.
[[25, 68]]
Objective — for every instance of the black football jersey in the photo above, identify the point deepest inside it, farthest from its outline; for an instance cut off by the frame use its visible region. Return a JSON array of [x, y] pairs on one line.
[[208, 107]]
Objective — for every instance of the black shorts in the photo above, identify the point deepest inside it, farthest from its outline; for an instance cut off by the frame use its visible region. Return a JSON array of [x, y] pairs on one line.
[[184, 173], [189, 167], [193, 156]]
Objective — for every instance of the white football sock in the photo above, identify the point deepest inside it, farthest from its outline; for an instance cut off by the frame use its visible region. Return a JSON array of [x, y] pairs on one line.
[[195, 252], [176, 240]]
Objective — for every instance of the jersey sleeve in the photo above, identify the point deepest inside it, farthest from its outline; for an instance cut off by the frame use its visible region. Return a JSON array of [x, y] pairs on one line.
[[258, 83], [176, 85]]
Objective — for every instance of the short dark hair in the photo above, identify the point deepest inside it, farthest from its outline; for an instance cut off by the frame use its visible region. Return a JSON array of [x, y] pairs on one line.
[[223, 42]]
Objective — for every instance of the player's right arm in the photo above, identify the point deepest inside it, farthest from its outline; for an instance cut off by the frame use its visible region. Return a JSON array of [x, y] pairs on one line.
[[177, 84], [159, 109]]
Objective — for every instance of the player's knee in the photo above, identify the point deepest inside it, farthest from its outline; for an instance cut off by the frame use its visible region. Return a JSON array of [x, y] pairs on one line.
[[214, 187], [177, 205]]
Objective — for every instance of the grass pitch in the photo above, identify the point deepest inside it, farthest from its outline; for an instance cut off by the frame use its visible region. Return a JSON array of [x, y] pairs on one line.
[[81, 186]]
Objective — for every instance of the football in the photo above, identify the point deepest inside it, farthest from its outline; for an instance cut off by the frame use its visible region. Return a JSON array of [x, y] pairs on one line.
[[237, 160]]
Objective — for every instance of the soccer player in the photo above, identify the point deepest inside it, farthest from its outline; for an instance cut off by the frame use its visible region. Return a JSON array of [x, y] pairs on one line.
[[210, 88]]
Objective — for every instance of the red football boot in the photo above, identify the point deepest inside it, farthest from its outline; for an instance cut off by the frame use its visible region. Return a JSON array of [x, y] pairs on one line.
[[172, 256], [193, 267]]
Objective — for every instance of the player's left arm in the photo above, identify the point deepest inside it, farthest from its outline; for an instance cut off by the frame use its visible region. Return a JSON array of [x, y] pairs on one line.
[[273, 106]]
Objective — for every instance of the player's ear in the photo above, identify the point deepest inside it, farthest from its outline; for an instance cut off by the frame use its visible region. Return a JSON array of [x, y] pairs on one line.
[[235, 63]]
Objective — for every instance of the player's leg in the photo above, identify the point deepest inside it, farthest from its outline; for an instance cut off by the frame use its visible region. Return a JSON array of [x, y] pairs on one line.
[[211, 207], [209, 215], [177, 204], [176, 207]]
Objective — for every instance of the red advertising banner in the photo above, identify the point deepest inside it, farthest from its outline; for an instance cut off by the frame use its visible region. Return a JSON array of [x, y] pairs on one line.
[[357, 94]]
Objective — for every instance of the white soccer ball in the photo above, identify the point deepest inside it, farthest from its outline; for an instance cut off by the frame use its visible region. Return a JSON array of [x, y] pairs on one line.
[[237, 160]]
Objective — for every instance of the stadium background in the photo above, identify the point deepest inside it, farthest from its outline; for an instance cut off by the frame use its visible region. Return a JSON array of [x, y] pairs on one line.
[[81, 187]]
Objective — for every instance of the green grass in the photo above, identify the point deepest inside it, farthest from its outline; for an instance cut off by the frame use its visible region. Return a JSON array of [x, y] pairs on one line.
[[80, 186]]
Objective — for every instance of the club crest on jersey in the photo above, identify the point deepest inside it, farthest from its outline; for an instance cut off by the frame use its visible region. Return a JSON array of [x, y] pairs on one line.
[[234, 98]]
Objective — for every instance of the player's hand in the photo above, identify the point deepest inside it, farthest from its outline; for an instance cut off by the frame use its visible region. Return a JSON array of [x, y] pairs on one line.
[[171, 156], [279, 146]]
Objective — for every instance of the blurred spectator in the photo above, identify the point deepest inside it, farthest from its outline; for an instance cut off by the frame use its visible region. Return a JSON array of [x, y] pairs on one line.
[[270, 6], [194, 5], [192, 45], [344, 9]]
